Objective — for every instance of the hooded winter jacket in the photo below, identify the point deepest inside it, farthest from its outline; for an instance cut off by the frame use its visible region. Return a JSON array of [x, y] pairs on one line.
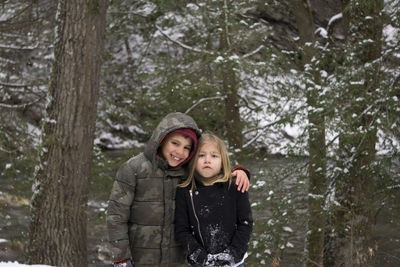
[[213, 223], [142, 203]]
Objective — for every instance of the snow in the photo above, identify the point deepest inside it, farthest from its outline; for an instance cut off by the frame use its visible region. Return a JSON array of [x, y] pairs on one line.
[[288, 229], [266, 120], [391, 34], [335, 18], [321, 31], [15, 263], [146, 9], [192, 7]]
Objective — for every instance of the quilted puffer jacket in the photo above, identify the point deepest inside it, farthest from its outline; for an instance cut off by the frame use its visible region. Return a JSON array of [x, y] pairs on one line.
[[141, 206]]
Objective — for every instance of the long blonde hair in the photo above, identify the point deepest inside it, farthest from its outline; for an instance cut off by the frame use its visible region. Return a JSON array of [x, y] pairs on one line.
[[225, 173]]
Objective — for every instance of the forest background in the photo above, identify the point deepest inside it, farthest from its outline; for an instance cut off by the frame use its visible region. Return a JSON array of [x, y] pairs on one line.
[[306, 94]]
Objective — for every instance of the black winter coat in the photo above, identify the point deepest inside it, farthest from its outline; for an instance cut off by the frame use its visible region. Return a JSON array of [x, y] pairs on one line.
[[213, 220]]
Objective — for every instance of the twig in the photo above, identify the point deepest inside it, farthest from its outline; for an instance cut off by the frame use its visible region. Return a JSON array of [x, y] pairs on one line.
[[12, 84], [182, 44], [390, 255], [203, 100], [15, 47], [6, 151], [313, 262], [253, 52], [2, 105]]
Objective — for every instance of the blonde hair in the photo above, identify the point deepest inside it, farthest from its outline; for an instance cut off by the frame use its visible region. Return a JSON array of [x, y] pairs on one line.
[[224, 175]]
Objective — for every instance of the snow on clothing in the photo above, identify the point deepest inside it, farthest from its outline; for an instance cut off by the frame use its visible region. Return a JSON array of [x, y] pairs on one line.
[[141, 205], [224, 218]]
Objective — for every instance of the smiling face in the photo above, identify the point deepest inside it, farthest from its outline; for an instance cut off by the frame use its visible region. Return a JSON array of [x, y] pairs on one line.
[[176, 148], [209, 160]]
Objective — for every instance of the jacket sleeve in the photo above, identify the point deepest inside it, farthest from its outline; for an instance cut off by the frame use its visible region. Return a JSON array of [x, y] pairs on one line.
[[240, 167], [184, 232], [244, 222], [118, 213]]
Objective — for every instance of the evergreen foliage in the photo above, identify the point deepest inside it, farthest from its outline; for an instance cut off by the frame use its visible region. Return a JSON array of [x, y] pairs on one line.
[[164, 56]]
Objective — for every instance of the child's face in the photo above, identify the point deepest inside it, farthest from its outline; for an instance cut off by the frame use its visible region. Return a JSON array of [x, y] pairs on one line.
[[175, 149], [209, 162]]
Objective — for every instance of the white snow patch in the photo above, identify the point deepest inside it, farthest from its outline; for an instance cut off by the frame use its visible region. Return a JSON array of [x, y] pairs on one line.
[[15, 263], [288, 229]]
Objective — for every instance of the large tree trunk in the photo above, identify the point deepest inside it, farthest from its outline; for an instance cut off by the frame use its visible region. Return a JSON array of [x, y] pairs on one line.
[[355, 187], [316, 131], [233, 123], [58, 226]]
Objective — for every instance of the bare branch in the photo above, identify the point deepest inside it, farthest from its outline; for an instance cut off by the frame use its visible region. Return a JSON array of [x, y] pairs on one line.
[[184, 45], [16, 47], [253, 139], [261, 130], [141, 59], [6, 151], [15, 85], [253, 52], [333, 22], [203, 100], [127, 13], [2, 105]]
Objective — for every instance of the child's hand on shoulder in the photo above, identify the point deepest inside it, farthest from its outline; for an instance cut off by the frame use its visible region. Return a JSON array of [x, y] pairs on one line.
[[242, 181]]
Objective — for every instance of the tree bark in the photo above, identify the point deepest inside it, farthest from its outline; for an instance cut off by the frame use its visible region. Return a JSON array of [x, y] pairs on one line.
[[316, 132], [58, 224], [233, 123], [355, 187]]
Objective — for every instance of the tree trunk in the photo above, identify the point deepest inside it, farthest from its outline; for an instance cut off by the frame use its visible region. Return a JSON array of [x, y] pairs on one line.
[[233, 123], [58, 225], [355, 186], [316, 131]]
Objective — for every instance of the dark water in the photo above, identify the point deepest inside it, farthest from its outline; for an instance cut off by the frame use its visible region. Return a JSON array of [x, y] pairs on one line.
[[278, 196]]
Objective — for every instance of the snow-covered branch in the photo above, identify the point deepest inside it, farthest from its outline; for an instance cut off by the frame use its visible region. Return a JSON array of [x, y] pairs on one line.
[[15, 47], [127, 13], [203, 100], [259, 132], [333, 22], [335, 18], [15, 85], [182, 44], [17, 106], [253, 52]]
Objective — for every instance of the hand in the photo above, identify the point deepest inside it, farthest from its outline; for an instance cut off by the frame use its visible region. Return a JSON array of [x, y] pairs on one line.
[[242, 181], [220, 259], [123, 263], [198, 257]]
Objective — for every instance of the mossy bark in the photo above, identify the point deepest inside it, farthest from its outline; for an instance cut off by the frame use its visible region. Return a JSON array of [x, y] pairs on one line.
[[58, 224], [316, 132]]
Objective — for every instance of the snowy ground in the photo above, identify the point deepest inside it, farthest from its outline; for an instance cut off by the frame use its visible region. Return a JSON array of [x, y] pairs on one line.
[[13, 264]]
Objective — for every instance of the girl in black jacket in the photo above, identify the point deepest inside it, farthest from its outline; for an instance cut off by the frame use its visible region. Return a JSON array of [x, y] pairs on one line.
[[213, 221]]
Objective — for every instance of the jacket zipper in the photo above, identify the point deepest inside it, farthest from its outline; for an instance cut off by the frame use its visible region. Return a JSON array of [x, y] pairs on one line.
[[197, 219]]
